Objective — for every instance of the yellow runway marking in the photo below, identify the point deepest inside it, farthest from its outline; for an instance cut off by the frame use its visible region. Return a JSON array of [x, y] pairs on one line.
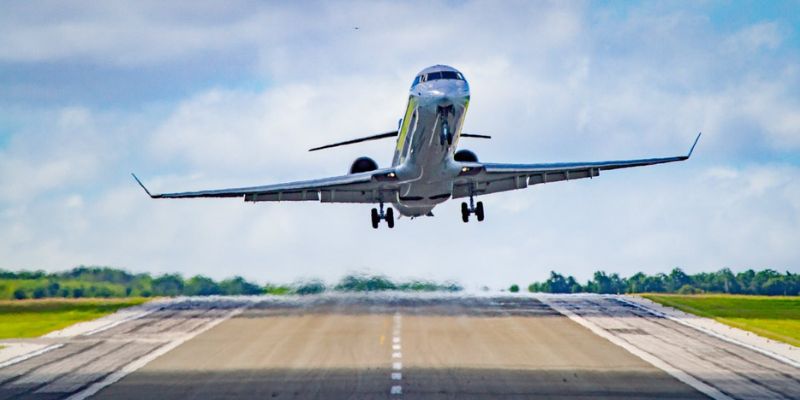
[[383, 338]]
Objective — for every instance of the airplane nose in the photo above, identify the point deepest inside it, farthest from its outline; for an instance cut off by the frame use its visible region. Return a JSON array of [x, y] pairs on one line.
[[442, 99], [443, 93]]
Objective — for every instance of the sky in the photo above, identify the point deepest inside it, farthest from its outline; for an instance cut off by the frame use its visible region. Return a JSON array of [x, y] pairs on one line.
[[199, 95]]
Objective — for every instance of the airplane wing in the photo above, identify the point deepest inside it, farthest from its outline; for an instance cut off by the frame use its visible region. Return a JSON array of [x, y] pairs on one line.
[[364, 187], [485, 178]]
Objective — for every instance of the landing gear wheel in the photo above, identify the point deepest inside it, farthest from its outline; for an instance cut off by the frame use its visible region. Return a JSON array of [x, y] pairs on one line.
[[479, 211], [464, 212], [447, 134], [375, 218], [390, 217]]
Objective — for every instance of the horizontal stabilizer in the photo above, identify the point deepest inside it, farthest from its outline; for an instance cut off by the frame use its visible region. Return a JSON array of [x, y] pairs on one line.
[[383, 136], [359, 140], [472, 135]]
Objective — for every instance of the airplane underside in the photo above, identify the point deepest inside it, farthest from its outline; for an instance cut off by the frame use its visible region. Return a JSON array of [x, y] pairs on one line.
[[433, 132]]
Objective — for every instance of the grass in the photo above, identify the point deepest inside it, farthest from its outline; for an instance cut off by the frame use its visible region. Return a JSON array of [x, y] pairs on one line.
[[31, 318], [774, 317]]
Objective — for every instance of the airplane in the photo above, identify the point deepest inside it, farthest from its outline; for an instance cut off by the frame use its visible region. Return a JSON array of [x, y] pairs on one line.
[[428, 168]]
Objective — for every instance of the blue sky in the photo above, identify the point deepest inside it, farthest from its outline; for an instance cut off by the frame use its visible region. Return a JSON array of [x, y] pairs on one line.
[[204, 94]]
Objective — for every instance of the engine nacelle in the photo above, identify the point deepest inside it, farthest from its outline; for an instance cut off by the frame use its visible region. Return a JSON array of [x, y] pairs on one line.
[[465, 156], [363, 164]]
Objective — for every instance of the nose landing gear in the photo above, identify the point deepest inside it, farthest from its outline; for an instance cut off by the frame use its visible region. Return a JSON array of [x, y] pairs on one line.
[[447, 135], [472, 208], [377, 216]]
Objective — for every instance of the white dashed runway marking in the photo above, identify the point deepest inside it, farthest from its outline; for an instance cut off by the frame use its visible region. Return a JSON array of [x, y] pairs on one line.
[[397, 356]]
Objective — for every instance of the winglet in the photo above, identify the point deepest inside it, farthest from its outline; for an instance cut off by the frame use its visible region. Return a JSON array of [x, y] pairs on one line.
[[142, 185], [693, 145]]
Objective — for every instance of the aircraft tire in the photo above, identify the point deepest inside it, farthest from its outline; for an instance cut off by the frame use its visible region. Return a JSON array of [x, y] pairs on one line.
[[390, 217], [375, 218], [464, 212], [479, 211]]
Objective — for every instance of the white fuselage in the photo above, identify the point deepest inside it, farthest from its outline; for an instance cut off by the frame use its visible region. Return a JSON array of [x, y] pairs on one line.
[[424, 152]]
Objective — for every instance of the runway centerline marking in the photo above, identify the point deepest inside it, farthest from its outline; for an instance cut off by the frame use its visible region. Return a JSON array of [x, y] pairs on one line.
[[396, 376]]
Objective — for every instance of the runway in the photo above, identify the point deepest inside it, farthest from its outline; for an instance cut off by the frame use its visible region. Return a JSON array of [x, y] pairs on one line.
[[399, 346]]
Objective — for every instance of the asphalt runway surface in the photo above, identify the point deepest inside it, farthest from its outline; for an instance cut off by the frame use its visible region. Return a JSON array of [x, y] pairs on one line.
[[399, 346]]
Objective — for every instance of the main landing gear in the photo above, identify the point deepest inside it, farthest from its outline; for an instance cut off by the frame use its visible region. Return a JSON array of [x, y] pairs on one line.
[[466, 210], [377, 216]]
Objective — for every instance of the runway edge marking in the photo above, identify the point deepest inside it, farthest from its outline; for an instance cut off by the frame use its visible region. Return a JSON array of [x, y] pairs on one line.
[[149, 357], [676, 373], [26, 356], [731, 340]]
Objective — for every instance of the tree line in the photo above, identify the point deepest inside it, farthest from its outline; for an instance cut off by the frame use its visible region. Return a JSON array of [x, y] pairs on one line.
[[86, 281], [764, 282]]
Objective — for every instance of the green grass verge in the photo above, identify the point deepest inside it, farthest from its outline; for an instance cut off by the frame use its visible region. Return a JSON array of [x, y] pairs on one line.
[[774, 317], [31, 318]]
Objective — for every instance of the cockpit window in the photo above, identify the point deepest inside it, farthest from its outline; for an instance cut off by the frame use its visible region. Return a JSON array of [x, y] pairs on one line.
[[449, 75], [445, 75], [437, 75]]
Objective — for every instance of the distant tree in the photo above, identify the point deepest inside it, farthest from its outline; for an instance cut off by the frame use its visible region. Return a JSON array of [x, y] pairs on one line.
[[725, 281], [364, 283], [309, 287], [168, 285], [745, 280], [676, 279], [573, 285], [239, 286], [20, 294], [556, 283], [774, 286], [514, 288], [201, 286], [53, 289], [602, 283], [39, 292]]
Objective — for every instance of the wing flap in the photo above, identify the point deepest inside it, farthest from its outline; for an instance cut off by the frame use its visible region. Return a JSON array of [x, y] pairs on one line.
[[555, 176], [358, 196]]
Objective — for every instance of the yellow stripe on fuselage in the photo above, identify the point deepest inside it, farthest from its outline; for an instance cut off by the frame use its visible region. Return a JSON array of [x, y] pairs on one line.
[[401, 138]]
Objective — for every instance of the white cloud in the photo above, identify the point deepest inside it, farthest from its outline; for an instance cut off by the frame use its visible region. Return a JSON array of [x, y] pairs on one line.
[[755, 37]]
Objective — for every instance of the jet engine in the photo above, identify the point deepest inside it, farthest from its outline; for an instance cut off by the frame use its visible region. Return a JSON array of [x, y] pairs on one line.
[[465, 156], [363, 164]]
